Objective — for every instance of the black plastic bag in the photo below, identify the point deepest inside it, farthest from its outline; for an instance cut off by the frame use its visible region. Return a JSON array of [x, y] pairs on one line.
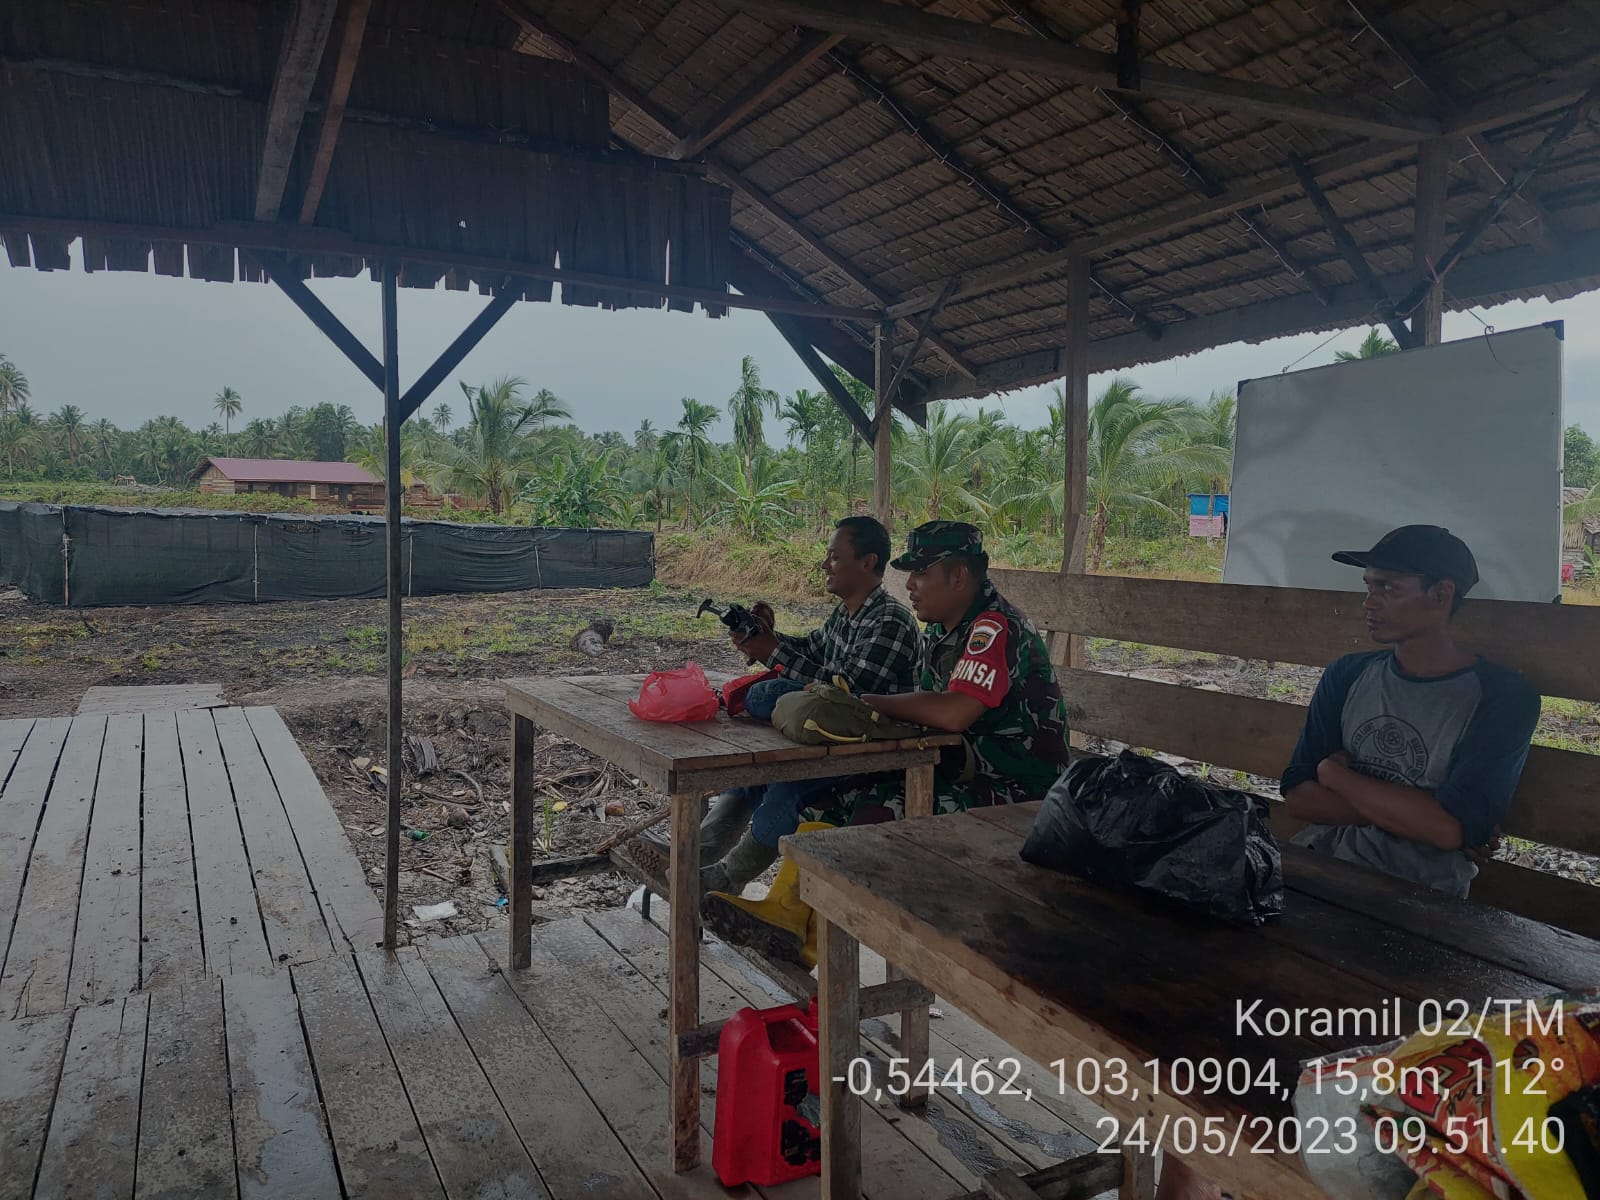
[[1133, 820]]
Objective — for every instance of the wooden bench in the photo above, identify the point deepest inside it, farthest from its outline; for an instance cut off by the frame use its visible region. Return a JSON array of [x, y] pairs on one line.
[[1555, 647]]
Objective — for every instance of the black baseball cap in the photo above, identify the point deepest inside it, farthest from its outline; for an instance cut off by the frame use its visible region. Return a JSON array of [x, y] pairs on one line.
[[1428, 550]]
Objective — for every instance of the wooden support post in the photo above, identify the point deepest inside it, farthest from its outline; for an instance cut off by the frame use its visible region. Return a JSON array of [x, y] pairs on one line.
[[883, 423], [838, 984], [391, 520], [519, 884], [683, 887], [1075, 519], [1433, 178], [914, 1020], [1138, 1176]]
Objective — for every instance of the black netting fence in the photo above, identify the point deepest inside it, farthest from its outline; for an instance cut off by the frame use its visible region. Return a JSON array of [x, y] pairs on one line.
[[87, 556]]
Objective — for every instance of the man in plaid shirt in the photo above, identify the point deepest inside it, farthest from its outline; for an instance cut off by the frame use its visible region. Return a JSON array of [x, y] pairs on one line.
[[871, 640]]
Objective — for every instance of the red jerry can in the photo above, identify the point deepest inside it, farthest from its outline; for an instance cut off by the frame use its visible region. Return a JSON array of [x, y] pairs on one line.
[[769, 1109]]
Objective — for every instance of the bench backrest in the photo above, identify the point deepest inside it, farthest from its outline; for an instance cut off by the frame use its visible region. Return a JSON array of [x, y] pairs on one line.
[[1555, 647]]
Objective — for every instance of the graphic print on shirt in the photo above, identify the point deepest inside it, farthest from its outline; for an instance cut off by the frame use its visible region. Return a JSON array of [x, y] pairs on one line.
[[981, 670], [1390, 749]]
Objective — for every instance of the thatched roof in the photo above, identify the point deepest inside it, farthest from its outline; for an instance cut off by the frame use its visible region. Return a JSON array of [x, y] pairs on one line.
[[874, 154]]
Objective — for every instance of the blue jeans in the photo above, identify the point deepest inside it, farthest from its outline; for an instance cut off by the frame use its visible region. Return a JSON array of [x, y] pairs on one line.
[[763, 697], [777, 806]]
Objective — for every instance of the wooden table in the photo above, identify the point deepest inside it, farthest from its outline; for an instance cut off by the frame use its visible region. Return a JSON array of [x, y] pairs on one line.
[[1067, 970], [685, 762]]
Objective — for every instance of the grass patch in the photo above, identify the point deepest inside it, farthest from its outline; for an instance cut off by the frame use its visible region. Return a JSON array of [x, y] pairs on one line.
[[365, 637]]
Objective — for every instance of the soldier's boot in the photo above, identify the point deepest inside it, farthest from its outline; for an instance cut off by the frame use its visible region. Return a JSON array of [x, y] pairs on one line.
[[738, 867], [780, 925], [725, 820]]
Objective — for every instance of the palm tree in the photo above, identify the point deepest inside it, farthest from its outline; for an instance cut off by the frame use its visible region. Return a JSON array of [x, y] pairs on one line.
[[691, 447], [940, 464], [746, 406], [368, 452], [17, 442], [1138, 446], [806, 416], [259, 438], [645, 437], [14, 390], [546, 407], [441, 416], [105, 442], [1216, 427], [291, 439], [494, 458], [68, 424], [328, 428], [230, 404], [1374, 345]]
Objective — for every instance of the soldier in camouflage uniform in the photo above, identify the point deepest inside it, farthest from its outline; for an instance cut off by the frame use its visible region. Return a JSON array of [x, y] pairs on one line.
[[986, 675]]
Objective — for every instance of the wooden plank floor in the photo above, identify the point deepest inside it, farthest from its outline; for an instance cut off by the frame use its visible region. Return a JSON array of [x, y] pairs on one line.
[[170, 1031], [140, 849]]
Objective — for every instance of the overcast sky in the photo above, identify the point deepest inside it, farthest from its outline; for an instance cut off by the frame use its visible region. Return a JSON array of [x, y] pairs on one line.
[[130, 347]]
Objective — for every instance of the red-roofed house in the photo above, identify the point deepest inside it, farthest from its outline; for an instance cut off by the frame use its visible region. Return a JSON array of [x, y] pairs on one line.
[[340, 483]]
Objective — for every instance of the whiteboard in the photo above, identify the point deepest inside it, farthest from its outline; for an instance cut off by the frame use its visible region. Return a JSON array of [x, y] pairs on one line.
[[1466, 435]]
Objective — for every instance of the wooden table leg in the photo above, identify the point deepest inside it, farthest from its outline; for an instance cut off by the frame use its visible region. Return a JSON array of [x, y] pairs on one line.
[[914, 1021], [519, 898], [683, 888], [839, 1024]]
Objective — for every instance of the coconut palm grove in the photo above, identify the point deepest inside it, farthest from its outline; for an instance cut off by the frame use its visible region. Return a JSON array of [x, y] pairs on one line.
[[757, 464]]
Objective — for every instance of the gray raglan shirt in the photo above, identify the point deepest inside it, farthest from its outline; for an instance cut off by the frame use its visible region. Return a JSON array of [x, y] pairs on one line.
[[1462, 736]]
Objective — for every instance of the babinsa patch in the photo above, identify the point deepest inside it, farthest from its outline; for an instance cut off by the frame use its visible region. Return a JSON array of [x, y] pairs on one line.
[[982, 636]]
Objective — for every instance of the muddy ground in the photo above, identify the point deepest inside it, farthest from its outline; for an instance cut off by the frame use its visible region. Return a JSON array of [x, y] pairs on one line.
[[320, 664]]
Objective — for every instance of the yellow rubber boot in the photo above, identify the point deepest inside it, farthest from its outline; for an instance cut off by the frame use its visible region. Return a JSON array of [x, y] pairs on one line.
[[779, 925]]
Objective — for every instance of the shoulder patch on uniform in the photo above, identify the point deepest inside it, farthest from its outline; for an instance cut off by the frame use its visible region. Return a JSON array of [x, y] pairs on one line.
[[984, 631]]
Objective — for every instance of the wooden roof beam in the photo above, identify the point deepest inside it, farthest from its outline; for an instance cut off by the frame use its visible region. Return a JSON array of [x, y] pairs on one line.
[[536, 23], [1505, 109], [1488, 163], [908, 28], [792, 331], [344, 72], [298, 62], [1523, 268], [1570, 120], [1191, 172], [811, 46], [852, 69], [1102, 242], [1351, 253]]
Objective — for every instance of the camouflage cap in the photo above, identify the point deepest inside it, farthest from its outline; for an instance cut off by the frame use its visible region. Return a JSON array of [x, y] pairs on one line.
[[938, 540]]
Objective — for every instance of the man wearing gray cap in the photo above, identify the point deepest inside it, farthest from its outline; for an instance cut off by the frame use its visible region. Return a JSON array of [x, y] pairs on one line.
[[1410, 754]]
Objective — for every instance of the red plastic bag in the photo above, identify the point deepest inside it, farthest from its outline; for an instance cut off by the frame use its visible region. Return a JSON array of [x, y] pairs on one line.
[[733, 692], [681, 695]]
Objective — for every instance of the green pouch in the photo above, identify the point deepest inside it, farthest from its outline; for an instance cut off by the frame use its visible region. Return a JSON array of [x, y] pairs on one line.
[[825, 713]]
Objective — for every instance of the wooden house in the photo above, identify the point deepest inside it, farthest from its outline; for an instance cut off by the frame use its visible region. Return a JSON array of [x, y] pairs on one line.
[[1577, 533], [342, 484]]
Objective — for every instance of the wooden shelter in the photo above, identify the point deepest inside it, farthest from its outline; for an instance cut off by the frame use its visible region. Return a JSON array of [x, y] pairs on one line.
[[946, 200], [341, 483]]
